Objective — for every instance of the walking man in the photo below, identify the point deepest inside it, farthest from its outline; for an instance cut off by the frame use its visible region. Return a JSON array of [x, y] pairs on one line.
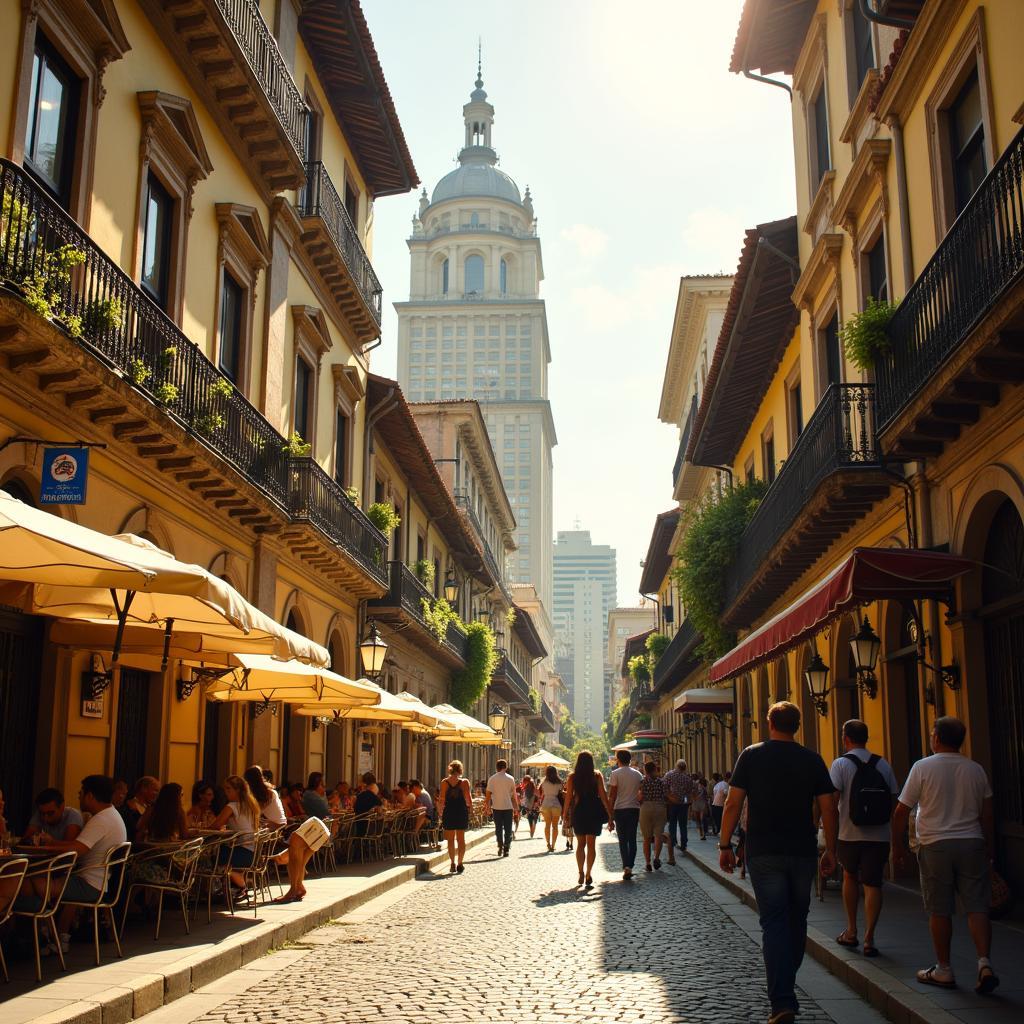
[[718, 794], [955, 829], [681, 788], [624, 797], [865, 794], [782, 783], [501, 801]]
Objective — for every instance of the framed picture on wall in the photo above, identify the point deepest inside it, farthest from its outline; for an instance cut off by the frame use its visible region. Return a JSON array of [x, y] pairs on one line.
[[92, 707]]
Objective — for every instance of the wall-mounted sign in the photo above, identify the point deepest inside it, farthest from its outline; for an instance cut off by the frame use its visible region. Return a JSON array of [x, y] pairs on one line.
[[65, 475]]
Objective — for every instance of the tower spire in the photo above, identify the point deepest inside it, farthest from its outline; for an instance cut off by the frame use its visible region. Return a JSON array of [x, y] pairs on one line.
[[479, 62]]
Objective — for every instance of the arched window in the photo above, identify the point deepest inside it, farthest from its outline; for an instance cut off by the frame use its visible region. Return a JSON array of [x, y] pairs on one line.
[[474, 220], [474, 275], [504, 277], [16, 489], [444, 278]]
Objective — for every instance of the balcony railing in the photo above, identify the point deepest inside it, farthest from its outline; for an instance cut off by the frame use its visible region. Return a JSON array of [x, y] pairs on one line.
[[684, 442], [550, 725], [260, 48], [321, 199], [685, 639], [840, 435], [510, 680], [110, 317], [464, 502], [981, 256]]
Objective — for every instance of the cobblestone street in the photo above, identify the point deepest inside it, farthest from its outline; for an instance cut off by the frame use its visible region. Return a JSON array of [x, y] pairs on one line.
[[516, 940]]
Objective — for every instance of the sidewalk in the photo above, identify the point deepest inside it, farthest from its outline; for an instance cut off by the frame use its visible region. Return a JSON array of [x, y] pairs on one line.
[[888, 981], [152, 974]]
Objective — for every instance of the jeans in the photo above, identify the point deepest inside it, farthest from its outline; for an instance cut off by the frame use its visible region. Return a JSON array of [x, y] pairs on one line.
[[626, 821], [782, 886], [716, 817], [677, 814], [503, 827]]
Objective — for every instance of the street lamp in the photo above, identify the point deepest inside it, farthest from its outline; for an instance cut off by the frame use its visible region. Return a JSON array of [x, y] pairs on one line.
[[373, 650], [816, 676], [497, 717], [865, 647], [451, 589]]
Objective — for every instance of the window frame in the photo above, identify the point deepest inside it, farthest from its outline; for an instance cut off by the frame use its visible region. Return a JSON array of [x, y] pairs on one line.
[[851, 20], [161, 293], [301, 359], [229, 284], [794, 406]]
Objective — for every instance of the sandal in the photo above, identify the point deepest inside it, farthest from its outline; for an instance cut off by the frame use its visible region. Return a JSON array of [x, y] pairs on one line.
[[987, 982], [927, 977], [843, 938], [289, 898], [870, 949]]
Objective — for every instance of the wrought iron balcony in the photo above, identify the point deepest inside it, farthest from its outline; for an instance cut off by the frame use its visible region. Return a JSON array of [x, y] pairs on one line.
[[403, 604], [332, 244], [684, 442], [463, 501], [193, 418], [677, 659], [832, 478], [946, 358], [232, 59], [508, 682]]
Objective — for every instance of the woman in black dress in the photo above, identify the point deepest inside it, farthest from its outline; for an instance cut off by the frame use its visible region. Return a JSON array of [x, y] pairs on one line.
[[453, 805], [586, 806]]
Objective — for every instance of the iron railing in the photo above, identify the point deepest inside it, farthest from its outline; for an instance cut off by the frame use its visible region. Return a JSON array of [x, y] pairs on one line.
[[465, 503], [685, 638], [981, 256], [321, 199], [44, 253], [548, 716], [512, 677], [684, 442], [840, 435], [258, 44]]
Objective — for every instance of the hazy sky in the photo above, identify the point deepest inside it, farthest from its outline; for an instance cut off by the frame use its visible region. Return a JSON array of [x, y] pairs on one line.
[[646, 159]]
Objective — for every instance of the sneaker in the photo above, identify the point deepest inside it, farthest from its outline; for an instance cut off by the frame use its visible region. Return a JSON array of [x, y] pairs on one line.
[[627, 874], [507, 848]]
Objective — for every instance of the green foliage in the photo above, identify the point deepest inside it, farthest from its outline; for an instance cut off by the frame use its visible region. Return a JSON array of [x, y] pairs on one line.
[[166, 359], [613, 723], [534, 701], [469, 684], [438, 614], [295, 447], [138, 371], [864, 336], [574, 737], [352, 493], [221, 388], [384, 517], [703, 560], [43, 288], [656, 644], [166, 393], [510, 617], [424, 572], [103, 316], [209, 422], [639, 669]]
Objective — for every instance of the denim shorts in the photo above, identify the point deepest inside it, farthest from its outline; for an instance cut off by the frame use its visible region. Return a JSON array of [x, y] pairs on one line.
[[955, 867]]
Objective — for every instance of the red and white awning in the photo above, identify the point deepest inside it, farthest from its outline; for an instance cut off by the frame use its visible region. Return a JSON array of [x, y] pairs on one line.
[[867, 574], [707, 700]]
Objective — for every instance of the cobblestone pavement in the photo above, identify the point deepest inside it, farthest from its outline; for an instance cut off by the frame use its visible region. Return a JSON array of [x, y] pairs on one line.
[[516, 940]]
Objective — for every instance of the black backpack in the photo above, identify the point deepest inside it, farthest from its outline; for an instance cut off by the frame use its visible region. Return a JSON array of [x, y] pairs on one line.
[[870, 797]]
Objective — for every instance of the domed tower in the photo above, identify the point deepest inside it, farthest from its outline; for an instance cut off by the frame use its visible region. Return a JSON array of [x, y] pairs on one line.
[[476, 327]]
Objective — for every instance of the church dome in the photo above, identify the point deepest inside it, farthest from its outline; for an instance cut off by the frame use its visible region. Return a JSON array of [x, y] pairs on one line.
[[478, 180]]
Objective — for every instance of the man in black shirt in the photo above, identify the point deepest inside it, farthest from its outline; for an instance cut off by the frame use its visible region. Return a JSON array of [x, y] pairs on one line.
[[783, 782]]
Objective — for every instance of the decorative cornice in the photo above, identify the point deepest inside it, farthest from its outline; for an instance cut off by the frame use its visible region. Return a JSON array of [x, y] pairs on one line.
[[823, 261], [868, 170], [348, 382], [312, 326], [821, 205], [861, 109], [813, 55], [242, 225]]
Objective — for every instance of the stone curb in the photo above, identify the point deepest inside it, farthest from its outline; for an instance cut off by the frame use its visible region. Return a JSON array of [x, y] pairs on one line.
[[890, 996], [147, 988]]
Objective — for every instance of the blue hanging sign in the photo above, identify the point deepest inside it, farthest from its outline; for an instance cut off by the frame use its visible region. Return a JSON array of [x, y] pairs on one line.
[[65, 475]]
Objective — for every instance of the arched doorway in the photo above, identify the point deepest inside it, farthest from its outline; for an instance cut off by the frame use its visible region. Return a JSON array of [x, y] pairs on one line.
[[782, 679], [903, 684], [1002, 595], [846, 695]]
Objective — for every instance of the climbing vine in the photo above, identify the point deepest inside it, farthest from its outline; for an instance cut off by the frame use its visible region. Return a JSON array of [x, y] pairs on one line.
[[469, 684]]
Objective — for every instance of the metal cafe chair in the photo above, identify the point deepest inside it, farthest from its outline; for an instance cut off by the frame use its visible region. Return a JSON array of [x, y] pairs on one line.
[[215, 866], [373, 838], [12, 874], [53, 873], [176, 873], [255, 875], [114, 870]]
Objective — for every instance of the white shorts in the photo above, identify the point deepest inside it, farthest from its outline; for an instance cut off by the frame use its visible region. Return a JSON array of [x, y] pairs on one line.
[[313, 832]]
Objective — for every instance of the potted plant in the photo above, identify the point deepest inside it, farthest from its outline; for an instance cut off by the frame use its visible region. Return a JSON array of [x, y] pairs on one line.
[[864, 335]]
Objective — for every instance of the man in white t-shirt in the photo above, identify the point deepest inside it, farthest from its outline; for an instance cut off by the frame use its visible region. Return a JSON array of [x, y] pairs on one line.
[[103, 831], [863, 848], [624, 796], [955, 829], [719, 794], [501, 801]]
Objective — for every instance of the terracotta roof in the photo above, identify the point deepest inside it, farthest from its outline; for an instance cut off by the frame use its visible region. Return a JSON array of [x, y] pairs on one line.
[[659, 558], [527, 632], [770, 35], [338, 39], [398, 431], [758, 325]]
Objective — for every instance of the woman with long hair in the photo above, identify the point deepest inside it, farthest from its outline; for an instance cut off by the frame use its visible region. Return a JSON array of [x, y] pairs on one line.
[[453, 805], [529, 803], [271, 808], [551, 805], [586, 806], [241, 814], [164, 820], [201, 814]]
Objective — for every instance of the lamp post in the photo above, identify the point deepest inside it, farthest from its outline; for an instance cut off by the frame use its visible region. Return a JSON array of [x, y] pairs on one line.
[[451, 589], [865, 647], [497, 717], [372, 651], [816, 676]]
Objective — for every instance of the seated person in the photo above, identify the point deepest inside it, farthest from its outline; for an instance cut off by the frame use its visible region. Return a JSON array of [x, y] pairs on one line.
[[423, 800], [53, 817], [201, 814], [344, 792], [146, 790], [367, 800], [120, 793], [314, 797], [104, 830], [293, 801], [164, 820]]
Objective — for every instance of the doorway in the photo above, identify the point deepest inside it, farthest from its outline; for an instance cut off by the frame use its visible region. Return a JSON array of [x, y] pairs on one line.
[[131, 737], [21, 639]]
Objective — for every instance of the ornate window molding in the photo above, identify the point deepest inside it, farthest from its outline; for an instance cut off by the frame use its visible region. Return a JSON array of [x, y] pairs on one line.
[[866, 176]]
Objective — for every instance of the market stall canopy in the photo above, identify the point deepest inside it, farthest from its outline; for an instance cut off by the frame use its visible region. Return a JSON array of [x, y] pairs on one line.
[[866, 575], [706, 700], [542, 759], [258, 677]]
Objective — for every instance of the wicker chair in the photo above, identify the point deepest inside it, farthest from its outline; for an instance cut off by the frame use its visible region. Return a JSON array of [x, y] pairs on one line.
[[175, 873], [12, 874], [53, 875], [114, 870]]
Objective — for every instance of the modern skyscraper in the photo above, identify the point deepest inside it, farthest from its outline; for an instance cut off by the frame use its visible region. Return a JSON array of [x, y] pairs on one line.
[[584, 594], [476, 327]]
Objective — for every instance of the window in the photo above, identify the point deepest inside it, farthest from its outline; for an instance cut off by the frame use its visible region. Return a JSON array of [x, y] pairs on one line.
[[794, 408], [504, 277], [341, 433], [748, 470], [820, 152], [768, 452], [832, 362], [878, 283], [474, 275], [157, 225], [52, 121], [232, 314], [444, 278], [302, 422], [967, 141], [863, 45], [352, 203]]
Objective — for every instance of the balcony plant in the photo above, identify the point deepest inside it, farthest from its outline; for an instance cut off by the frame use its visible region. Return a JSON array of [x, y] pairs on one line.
[[103, 316], [424, 571], [469, 684], [864, 335], [295, 447], [352, 493], [510, 617], [639, 669], [384, 517], [534, 701], [656, 644], [708, 549], [437, 614]]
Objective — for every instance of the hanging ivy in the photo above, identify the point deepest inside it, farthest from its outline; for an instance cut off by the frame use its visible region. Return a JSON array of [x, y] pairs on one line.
[[384, 517], [705, 556], [639, 670], [424, 571], [469, 684], [655, 644], [438, 614]]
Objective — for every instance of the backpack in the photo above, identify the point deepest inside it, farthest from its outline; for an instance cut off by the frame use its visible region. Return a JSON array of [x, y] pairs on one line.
[[870, 798]]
